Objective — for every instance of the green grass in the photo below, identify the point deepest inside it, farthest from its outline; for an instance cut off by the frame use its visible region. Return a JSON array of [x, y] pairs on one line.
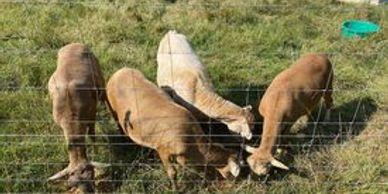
[[243, 44]]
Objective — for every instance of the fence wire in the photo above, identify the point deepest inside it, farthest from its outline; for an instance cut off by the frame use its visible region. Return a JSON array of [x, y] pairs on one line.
[[316, 139]]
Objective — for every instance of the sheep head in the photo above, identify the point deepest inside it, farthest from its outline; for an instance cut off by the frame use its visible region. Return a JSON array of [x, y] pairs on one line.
[[260, 162], [242, 123]]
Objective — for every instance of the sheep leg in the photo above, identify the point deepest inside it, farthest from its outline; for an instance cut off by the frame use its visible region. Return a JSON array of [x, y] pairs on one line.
[[165, 156], [327, 96], [92, 136], [79, 173], [82, 173], [328, 104], [75, 136], [284, 136], [181, 160]]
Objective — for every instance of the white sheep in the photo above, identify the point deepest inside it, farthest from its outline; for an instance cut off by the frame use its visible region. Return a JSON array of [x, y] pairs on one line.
[[180, 70]]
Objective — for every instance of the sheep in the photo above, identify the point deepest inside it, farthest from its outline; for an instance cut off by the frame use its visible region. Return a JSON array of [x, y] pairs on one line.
[[292, 94], [180, 70], [152, 119], [75, 87]]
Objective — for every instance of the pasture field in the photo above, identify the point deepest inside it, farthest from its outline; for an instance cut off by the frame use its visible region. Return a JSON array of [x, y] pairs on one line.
[[243, 44]]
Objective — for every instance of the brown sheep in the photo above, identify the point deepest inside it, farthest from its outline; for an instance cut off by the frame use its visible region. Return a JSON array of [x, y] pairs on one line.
[[292, 94], [151, 119], [75, 87]]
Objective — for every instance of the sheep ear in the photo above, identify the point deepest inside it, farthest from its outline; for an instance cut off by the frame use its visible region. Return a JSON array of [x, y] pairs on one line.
[[249, 149], [172, 32], [234, 168], [59, 175], [278, 164], [248, 108]]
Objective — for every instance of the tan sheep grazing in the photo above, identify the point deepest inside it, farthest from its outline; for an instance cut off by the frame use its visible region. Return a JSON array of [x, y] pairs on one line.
[[152, 119], [180, 69], [292, 94], [75, 87]]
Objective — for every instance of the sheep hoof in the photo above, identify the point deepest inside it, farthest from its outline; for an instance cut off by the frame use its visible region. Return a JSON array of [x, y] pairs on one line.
[[81, 175]]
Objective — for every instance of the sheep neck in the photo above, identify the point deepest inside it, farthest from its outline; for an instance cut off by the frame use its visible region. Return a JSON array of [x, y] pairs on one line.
[[215, 106]]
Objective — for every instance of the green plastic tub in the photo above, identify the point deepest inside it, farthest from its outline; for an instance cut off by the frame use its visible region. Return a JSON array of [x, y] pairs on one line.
[[358, 28]]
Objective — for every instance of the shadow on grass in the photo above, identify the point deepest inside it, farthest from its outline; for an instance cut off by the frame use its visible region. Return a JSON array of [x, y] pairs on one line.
[[347, 121], [124, 157]]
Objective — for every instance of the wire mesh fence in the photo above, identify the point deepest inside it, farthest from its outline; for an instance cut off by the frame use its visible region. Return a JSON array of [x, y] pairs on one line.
[[33, 146]]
